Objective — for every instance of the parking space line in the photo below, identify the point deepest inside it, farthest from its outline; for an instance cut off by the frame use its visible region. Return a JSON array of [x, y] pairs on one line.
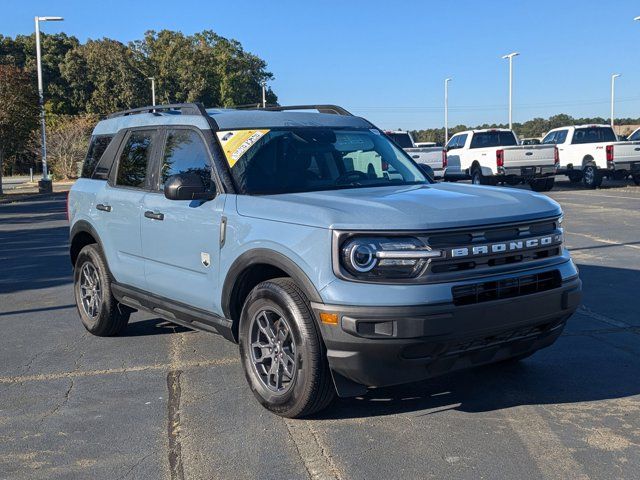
[[552, 458], [114, 371], [604, 240], [312, 451], [593, 194]]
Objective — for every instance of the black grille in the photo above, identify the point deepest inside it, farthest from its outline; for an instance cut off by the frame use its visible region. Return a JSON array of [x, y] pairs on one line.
[[508, 288]]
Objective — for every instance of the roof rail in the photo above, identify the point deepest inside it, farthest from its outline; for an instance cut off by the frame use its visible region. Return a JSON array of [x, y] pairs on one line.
[[183, 108], [333, 109]]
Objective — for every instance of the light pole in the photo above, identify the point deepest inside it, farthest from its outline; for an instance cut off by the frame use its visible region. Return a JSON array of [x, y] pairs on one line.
[[446, 110], [45, 185], [153, 90], [613, 93], [264, 94], [510, 57]]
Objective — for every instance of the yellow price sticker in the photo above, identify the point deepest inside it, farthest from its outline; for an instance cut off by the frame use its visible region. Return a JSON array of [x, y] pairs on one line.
[[235, 143]]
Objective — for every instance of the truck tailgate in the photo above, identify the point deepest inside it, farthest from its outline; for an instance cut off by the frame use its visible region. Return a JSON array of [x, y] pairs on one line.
[[627, 155], [529, 156]]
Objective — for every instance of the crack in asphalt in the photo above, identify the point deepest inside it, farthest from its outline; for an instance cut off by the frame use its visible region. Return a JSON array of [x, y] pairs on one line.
[[176, 468], [314, 454]]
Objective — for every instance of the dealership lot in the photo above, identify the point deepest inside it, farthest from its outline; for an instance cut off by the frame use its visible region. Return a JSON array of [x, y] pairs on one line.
[[162, 401]]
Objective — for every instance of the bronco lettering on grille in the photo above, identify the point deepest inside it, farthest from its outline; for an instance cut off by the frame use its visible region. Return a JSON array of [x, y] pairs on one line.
[[504, 247]]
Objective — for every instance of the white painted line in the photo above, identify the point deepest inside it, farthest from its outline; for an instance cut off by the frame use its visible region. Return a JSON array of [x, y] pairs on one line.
[[112, 371], [551, 456], [603, 240]]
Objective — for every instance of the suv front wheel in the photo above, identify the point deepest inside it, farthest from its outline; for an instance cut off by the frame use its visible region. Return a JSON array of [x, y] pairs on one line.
[[100, 312], [282, 353]]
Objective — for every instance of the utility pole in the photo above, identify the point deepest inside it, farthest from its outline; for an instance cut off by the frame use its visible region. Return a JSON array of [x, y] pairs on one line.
[[613, 96], [44, 184], [446, 110], [510, 57], [153, 90]]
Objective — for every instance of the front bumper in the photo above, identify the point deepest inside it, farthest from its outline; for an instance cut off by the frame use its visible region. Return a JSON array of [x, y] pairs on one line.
[[381, 346]]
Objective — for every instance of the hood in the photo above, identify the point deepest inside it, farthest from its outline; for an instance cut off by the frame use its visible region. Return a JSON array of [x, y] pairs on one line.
[[416, 207]]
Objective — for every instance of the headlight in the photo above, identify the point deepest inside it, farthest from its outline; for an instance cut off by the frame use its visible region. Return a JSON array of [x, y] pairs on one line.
[[385, 258]]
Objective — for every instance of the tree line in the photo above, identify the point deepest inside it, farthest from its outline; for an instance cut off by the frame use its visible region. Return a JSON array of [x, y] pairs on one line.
[[92, 79], [534, 128]]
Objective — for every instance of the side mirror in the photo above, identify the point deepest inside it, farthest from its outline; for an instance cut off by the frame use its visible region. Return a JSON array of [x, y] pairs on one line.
[[427, 171], [187, 186]]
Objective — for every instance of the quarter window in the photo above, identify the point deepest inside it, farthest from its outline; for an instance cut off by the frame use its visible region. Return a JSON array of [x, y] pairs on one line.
[[185, 152], [132, 167], [99, 144]]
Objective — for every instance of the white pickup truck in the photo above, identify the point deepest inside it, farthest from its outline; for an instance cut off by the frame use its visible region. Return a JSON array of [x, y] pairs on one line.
[[493, 155], [588, 153], [432, 156]]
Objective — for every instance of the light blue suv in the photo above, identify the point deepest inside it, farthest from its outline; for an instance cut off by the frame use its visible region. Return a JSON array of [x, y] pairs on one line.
[[315, 243]]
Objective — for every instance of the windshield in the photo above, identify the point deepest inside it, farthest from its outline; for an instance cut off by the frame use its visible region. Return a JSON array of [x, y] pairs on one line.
[[594, 135], [311, 159], [402, 139], [494, 138]]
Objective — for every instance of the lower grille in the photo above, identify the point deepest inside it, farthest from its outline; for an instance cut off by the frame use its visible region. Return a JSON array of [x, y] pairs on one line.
[[508, 288]]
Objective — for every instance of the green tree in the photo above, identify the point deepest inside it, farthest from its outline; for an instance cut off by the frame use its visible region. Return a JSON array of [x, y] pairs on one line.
[[18, 112], [21, 52], [104, 76], [203, 67]]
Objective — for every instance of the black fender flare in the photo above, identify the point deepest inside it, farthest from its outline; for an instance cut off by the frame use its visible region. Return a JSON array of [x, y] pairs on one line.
[[82, 226], [268, 257]]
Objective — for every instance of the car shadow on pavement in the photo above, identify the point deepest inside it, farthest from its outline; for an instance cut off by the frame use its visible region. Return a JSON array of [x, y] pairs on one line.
[[152, 326], [592, 361]]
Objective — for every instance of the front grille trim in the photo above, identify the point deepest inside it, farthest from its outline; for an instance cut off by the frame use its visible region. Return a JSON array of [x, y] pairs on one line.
[[519, 286]]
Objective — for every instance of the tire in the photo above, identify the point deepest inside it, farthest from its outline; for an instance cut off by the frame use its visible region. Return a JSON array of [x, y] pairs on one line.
[[100, 312], [574, 177], [478, 179], [636, 179], [591, 177], [279, 306], [542, 184]]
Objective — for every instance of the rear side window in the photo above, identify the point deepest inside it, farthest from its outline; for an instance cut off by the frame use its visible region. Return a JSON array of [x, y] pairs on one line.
[[593, 135], [185, 152], [493, 139], [457, 141], [549, 139], [635, 136], [98, 145], [132, 165]]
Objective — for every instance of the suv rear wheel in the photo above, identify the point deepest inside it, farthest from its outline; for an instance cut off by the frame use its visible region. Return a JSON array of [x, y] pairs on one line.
[[636, 179], [282, 353], [100, 312]]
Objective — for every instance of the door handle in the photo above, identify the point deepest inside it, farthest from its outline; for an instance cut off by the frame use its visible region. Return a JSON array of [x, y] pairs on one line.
[[103, 207], [153, 215], [415, 156]]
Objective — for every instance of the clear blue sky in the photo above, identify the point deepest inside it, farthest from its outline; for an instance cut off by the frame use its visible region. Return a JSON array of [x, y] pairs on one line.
[[387, 60]]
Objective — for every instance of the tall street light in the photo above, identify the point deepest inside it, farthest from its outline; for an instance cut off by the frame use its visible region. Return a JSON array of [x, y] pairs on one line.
[[153, 90], [510, 57], [446, 110], [264, 94], [613, 92], [45, 185]]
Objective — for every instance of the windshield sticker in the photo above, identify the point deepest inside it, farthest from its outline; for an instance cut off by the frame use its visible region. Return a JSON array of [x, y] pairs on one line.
[[237, 142]]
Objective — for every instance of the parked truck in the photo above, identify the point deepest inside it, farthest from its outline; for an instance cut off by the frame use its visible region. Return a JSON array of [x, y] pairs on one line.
[[494, 155], [589, 153], [432, 156]]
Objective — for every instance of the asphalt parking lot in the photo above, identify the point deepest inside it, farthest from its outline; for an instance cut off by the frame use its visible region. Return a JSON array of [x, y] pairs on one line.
[[162, 401]]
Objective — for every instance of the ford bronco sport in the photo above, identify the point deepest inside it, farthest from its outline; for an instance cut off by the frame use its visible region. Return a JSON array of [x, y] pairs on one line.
[[315, 243]]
